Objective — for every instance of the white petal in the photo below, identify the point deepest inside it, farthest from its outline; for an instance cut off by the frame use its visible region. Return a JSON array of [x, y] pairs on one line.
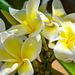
[[62, 52], [19, 30], [4, 36], [24, 5], [13, 45], [51, 45], [31, 48], [57, 8], [51, 32], [70, 17], [43, 17], [19, 15], [43, 6], [31, 10], [26, 68], [8, 68], [6, 56], [38, 25], [2, 25]]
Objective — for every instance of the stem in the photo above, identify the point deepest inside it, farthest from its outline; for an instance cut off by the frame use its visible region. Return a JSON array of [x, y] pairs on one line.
[[44, 42], [4, 5]]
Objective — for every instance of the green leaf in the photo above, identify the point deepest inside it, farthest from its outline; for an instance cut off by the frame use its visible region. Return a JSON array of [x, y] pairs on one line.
[[70, 67], [4, 5]]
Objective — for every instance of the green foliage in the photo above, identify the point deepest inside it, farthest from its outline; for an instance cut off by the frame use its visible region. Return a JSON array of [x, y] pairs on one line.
[[70, 67]]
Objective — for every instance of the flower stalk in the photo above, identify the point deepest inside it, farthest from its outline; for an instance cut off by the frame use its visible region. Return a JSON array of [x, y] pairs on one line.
[[44, 42]]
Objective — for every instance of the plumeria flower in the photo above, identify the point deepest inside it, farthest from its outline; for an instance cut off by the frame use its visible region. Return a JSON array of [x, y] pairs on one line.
[[51, 28], [30, 22], [65, 47], [18, 55], [58, 10]]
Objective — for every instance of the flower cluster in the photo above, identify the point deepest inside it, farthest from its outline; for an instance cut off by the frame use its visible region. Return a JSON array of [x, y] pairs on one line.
[[22, 43]]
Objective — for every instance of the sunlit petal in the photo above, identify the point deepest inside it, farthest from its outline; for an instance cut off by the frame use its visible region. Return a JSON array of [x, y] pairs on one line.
[[51, 32], [31, 10], [26, 68], [13, 45], [57, 8], [6, 56], [62, 52], [56, 19], [49, 16], [68, 27], [37, 25], [8, 68], [31, 48], [19, 30], [43, 17], [70, 17], [19, 15]]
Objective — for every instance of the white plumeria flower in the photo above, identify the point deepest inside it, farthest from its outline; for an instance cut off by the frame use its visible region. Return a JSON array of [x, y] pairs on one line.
[[65, 47], [18, 55], [30, 23], [58, 10], [51, 28]]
